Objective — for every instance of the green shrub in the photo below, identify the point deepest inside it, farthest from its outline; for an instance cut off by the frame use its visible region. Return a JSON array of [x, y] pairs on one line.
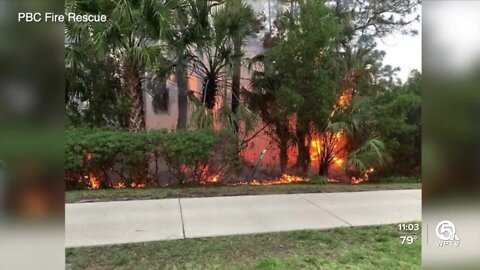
[[102, 151], [191, 156], [194, 156], [318, 179]]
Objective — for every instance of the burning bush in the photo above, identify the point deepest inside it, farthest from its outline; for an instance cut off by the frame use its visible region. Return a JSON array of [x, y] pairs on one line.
[[199, 156], [96, 158], [93, 157]]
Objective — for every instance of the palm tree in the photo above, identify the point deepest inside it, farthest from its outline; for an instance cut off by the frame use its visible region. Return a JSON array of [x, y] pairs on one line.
[[238, 21], [184, 36], [129, 39], [364, 149], [210, 65]]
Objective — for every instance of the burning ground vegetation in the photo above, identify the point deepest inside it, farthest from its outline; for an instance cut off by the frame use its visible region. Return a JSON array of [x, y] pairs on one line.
[[93, 180], [165, 160]]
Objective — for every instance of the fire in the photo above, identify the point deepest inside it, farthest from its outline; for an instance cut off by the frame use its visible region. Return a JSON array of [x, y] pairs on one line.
[[345, 99], [283, 179], [93, 181], [121, 185], [315, 149], [211, 179], [363, 178], [137, 185], [286, 179], [331, 180], [338, 161], [339, 142]]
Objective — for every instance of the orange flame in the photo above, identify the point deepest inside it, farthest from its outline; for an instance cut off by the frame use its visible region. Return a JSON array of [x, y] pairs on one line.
[[121, 185], [343, 101], [92, 178], [315, 149], [209, 177], [213, 178], [283, 179], [331, 180], [93, 181], [345, 98], [338, 161], [363, 178], [137, 185]]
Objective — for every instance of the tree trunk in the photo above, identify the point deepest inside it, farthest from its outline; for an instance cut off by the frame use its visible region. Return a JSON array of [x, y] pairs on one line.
[[135, 96], [181, 77], [303, 159], [323, 168], [283, 135], [209, 93], [283, 156], [326, 159], [161, 96], [237, 70]]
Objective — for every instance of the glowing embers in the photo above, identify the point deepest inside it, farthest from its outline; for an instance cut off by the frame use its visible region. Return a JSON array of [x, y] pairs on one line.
[[363, 178], [93, 181], [121, 185], [92, 178], [283, 179], [212, 179], [333, 181], [345, 98], [207, 176]]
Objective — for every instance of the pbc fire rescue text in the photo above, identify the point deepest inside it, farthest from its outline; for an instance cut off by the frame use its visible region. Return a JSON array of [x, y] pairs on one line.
[[52, 17]]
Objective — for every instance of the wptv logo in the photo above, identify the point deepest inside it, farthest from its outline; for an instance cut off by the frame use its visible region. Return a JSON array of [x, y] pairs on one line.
[[447, 234]]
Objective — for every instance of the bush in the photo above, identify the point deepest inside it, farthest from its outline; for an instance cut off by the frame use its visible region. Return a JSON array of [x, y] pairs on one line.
[[195, 156], [103, 152], [318, 179], [191, 156]]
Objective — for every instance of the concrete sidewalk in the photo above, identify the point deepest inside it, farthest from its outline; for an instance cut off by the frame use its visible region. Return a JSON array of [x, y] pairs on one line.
[[104, 223]]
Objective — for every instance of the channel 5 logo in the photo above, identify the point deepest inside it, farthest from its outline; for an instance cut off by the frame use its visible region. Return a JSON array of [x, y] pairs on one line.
[[447, 234]]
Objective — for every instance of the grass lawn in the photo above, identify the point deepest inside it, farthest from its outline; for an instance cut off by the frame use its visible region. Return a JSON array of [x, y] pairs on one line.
[[376, 247], [162, 193]]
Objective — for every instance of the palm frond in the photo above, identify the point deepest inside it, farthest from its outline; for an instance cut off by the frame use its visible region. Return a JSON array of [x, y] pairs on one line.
[[246, 116], [202, 117], [370, 154], [354, 119]]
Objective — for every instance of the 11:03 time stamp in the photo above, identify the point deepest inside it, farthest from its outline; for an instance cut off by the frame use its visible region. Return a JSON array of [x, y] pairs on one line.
[[408, 233]]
